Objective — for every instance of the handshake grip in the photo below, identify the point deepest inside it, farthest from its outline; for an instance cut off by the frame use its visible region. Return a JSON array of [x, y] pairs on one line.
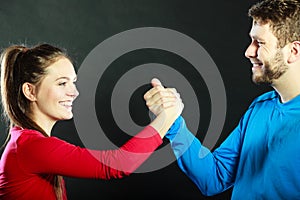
[[165, 103]]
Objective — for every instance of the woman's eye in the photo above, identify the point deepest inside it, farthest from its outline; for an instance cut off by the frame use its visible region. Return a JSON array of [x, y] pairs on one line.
[[62, 83]]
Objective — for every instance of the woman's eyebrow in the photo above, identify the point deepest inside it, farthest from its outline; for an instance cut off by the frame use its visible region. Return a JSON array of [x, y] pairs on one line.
[[65, 77]]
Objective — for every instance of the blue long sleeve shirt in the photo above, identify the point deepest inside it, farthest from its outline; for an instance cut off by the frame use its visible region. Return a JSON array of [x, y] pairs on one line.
[[260, 159]]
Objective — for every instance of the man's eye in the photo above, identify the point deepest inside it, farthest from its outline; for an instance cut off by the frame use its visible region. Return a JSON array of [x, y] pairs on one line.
[[260, 43]]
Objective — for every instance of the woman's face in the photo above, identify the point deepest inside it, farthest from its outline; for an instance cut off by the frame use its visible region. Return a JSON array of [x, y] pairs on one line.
[[56, 93]]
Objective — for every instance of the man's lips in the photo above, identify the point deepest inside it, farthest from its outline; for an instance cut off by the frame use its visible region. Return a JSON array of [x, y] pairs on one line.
[[256, 66]]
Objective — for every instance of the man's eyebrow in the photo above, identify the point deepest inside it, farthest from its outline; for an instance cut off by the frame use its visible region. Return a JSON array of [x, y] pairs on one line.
[[255, 37]]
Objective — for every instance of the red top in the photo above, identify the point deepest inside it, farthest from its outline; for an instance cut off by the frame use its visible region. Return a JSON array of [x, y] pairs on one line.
[[31, 160]]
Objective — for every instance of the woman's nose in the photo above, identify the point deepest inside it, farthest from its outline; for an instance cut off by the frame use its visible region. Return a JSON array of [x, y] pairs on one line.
[[73, 92]]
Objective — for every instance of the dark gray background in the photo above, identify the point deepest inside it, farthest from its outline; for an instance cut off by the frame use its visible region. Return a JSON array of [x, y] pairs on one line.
[[221, 27]]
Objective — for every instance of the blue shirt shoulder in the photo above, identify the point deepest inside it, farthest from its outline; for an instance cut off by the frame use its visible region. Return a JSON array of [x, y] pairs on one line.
[[264, 97]]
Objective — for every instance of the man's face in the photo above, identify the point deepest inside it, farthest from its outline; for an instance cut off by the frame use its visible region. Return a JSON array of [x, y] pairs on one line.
[[265, 55]]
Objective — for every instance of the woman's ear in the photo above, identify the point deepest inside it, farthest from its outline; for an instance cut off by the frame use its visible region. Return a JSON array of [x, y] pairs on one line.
[[295, 52], [29, 91]]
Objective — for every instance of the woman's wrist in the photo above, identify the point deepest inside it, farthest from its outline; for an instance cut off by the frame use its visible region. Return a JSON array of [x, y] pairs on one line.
[[163, 122]]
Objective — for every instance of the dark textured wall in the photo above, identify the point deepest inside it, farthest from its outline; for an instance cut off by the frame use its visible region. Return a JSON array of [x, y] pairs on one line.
[[221, 27]]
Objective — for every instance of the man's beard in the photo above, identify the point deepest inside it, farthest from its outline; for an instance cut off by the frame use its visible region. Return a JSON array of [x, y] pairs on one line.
[[269, 73]]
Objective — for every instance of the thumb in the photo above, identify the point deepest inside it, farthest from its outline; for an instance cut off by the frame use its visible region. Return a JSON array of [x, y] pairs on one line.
[[155, 82]]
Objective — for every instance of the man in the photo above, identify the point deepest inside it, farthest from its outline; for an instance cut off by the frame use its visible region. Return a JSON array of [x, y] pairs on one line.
[[260, 159]]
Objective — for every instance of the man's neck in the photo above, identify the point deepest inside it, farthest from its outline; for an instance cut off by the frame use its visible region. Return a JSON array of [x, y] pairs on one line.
[[287, 87]]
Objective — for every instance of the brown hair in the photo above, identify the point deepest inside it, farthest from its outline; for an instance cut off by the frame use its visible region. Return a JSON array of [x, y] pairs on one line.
[[20, 64], [283, 17]]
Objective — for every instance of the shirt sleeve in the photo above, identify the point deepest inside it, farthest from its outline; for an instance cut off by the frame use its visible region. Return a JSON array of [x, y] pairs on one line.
[[39, 154], [212, 172]]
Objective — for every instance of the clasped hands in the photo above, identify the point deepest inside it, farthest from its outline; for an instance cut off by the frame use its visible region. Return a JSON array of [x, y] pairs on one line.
[[165, 103]]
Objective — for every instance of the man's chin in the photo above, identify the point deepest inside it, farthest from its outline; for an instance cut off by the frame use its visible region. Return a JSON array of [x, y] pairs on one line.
[[261, 81]]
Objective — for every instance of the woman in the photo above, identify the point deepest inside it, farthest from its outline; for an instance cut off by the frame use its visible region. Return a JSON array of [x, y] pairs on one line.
[[37, 90]]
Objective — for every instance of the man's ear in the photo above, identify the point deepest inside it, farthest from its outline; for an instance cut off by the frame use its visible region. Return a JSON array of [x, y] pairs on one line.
[[29, 91], [295, 52]]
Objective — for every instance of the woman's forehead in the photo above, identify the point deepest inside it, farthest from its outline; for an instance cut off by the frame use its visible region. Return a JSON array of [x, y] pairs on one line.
[[63, 67]]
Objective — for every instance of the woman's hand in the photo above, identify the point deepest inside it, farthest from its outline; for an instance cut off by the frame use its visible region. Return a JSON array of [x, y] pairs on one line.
[[165, 103]]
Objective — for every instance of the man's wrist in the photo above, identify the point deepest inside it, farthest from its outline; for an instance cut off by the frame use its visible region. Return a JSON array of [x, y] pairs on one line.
[[174, 129]]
